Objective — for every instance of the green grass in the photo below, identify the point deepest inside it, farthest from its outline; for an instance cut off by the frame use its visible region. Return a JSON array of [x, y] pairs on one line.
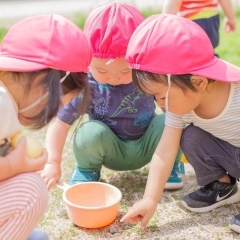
[[3, 31], [228, 48]]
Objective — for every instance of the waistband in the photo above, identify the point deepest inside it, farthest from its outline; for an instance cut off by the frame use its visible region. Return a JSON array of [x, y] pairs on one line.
[[204, 14]]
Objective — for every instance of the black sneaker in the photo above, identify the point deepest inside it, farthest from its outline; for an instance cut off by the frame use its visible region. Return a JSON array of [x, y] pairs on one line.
[[212, 196], [235, 223]]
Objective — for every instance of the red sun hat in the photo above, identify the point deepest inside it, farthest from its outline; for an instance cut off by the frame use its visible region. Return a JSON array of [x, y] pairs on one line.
[[45, 41], [109, 28], [170, 44]]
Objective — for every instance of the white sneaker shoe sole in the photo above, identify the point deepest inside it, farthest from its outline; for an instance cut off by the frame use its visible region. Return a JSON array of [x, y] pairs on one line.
[[173, 186]]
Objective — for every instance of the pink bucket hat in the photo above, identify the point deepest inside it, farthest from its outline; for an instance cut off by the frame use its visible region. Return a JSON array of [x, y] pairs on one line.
[[46, 41], [109, 28], [169, 44]]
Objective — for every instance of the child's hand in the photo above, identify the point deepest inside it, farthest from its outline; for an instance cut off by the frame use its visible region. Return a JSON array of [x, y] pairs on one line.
[[229, 25], [141, 211], [51, 174], [20, 163]]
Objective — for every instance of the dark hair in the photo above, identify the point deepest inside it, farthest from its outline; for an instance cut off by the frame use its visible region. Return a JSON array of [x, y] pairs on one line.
[[183, 81], [76, 83], [51, 83]]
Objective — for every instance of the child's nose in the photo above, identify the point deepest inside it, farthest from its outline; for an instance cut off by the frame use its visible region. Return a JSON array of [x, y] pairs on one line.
[[115, 77]]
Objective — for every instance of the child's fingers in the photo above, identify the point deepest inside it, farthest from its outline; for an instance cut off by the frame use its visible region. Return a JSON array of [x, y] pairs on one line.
[[133, 216], [145, 221], [135, 220], [50, 183], [38, 163]]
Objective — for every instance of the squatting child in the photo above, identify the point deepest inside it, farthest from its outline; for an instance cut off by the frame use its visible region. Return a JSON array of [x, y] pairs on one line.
[[174, 61], [32, 67], [123, 130]]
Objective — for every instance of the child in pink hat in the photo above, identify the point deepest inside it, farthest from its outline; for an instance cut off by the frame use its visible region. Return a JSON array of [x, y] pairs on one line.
[[32, 84], [174, 60], [123, 129]]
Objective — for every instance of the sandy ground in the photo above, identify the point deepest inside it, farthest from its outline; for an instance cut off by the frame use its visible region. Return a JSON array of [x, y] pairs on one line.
[[171, 220]]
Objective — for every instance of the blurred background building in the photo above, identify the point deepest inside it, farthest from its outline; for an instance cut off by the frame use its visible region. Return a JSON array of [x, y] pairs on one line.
[[14, 10]]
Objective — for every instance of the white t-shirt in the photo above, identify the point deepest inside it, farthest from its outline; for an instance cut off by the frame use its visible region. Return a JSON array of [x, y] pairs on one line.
[[9, 123], [225, 126]]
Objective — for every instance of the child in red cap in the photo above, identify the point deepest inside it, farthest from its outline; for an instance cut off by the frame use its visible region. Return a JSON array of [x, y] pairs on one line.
[[32, 83], [123, 130], [174, 60], [205, 13]]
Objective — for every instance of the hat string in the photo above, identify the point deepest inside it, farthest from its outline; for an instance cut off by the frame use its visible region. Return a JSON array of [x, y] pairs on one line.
[[169, 84], [32, 105]]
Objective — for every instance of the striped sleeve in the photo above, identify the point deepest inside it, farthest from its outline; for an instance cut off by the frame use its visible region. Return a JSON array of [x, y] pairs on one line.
[[174, 121]]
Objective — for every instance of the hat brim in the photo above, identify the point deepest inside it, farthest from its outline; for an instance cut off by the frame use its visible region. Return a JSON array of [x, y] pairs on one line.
[[19, 65], [219, 70]]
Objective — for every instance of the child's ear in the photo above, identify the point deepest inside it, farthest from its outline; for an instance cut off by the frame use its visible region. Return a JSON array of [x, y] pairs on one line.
[[199, 82]]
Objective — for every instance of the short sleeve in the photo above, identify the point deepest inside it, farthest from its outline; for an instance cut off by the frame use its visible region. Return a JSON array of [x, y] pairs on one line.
[[69, 113], [174, 121]]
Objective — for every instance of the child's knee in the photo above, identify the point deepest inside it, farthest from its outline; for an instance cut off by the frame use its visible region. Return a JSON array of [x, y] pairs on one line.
[[191, 138], [90, 135], [158, 120], [33, 195]]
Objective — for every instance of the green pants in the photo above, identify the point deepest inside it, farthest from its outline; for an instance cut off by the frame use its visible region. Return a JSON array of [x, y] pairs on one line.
[[96, 145]]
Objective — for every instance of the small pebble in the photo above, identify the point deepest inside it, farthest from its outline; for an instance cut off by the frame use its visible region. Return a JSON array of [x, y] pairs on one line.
[[113, 229]]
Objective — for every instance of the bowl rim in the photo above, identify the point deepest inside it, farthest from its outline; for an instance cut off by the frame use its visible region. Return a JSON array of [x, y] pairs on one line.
[[91, 208]]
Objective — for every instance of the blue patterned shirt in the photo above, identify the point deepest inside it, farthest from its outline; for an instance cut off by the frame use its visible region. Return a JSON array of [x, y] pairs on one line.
[[125, 109]]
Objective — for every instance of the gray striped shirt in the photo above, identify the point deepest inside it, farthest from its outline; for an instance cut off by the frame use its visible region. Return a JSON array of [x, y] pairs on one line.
[[225, 126]]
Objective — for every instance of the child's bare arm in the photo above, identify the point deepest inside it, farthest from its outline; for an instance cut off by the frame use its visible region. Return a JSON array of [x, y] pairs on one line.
[[230, 20], [171, 6], [160, 169], [55, 140]]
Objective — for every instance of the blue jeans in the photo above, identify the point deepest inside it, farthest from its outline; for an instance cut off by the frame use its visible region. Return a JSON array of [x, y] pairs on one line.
[[211, 157]]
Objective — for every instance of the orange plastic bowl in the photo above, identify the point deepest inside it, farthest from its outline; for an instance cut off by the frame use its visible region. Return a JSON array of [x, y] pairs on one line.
[[92, 204]]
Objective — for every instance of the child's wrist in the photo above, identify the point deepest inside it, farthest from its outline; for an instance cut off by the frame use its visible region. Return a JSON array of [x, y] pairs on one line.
[[152, 199], [55, 159], [230, 18], [54, 162]]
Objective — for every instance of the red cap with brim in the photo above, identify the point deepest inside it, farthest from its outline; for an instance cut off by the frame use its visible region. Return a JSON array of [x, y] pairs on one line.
[[45, 41], [169, 44]]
